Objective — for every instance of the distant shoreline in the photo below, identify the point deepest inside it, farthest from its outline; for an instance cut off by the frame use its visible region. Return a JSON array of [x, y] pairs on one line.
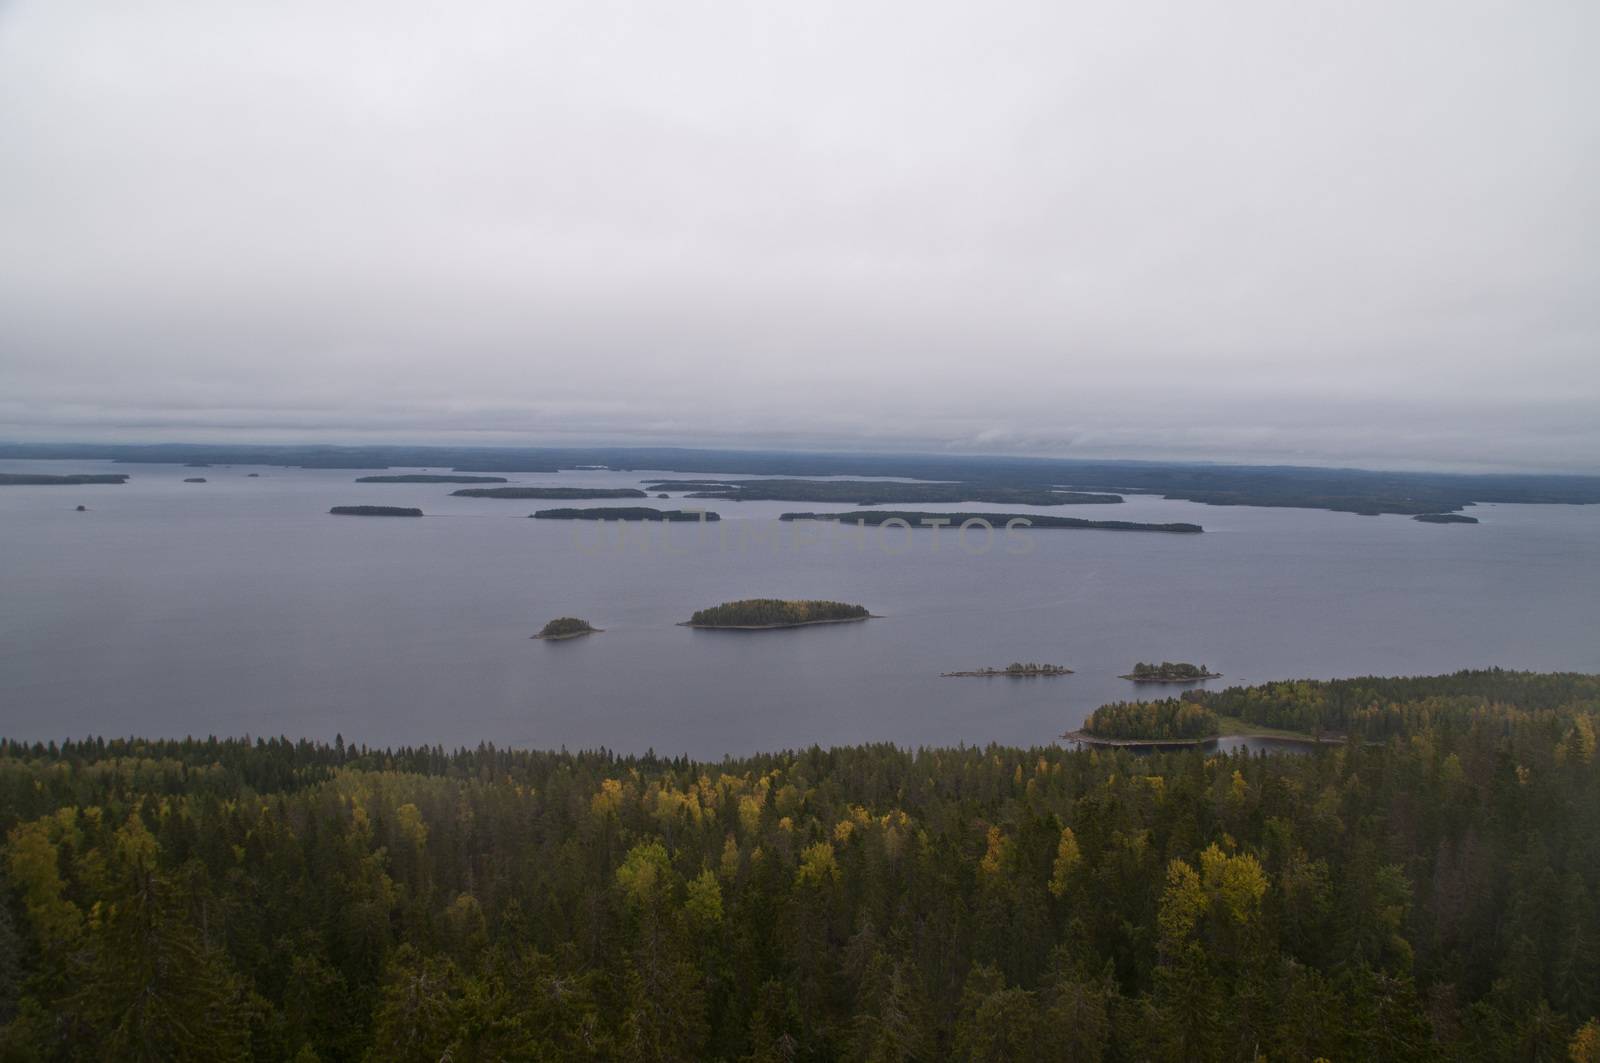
[[375, 511]]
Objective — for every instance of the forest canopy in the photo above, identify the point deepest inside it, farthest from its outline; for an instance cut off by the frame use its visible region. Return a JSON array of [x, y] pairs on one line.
[[1432, 895], [1167, 719]]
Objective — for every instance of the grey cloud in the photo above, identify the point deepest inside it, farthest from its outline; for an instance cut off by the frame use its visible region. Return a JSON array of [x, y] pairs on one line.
[[1318, 231]]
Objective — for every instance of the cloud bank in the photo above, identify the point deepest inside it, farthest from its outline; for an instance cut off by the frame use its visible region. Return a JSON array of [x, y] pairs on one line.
[[1354, 232]]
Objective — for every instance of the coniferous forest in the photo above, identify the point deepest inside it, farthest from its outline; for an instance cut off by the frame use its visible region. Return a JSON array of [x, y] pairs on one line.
[[1429, 890]]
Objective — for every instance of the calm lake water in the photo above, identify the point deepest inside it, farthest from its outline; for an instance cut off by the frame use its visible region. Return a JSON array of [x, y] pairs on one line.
[[239, 606]]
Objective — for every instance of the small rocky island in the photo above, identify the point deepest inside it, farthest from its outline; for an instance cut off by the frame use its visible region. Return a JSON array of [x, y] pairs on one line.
[[194, 479], [549, 492], [1170, 672], [30, 479], [420, 478], [375, 511], [566, 627], [1015, 668], [624, 513], [918, 519], [1445, 518], [760, 614]]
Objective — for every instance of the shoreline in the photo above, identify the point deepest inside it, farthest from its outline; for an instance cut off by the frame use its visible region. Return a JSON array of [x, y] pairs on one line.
[[1232, 727]]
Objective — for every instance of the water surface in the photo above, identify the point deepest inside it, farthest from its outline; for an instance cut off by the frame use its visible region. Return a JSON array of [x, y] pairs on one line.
[[240, 606]]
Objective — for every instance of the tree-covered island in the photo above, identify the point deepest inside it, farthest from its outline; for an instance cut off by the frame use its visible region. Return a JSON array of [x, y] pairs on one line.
[[870, 493], [375, 511], [31, 479], [1015, 668], [194, 479], [759, 613], [549, 492], [566, 627], [1170, 672], [1445, 518], [627, 513], [916, 519], [429, 478]]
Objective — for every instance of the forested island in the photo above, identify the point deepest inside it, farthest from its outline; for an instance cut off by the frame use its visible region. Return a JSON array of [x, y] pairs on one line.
[[1430, 897], [759, 613], [1015, 668], [549, 492], [1445, 518], [994, 520], [28, 479], [1170, 672], [626, 513], [194, 479], [375, 511], [866, 493], [429, 478], [566, 627]]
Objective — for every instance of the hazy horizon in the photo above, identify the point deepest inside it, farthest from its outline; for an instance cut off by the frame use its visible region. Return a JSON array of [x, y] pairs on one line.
[[1346, 234], [1278, 459]]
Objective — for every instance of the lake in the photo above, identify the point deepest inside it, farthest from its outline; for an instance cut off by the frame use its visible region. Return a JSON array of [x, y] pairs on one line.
[[240, 606]]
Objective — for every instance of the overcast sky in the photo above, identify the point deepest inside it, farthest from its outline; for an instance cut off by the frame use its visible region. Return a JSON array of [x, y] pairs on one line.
[[1359, 232]]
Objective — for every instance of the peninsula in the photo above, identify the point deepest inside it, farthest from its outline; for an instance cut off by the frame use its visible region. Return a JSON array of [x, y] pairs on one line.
[[994, 520], [375, 511], [625, 513], [549, 492], [1170, 672], [758, 614], [1445, 518], [28, 479], [566, 627], [1015, 668], [1172, 718], [1177, 723], [428, 478]]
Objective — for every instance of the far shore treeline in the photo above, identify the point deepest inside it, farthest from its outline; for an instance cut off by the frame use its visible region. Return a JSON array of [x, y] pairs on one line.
[[1427, 891], [1348, 490]]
